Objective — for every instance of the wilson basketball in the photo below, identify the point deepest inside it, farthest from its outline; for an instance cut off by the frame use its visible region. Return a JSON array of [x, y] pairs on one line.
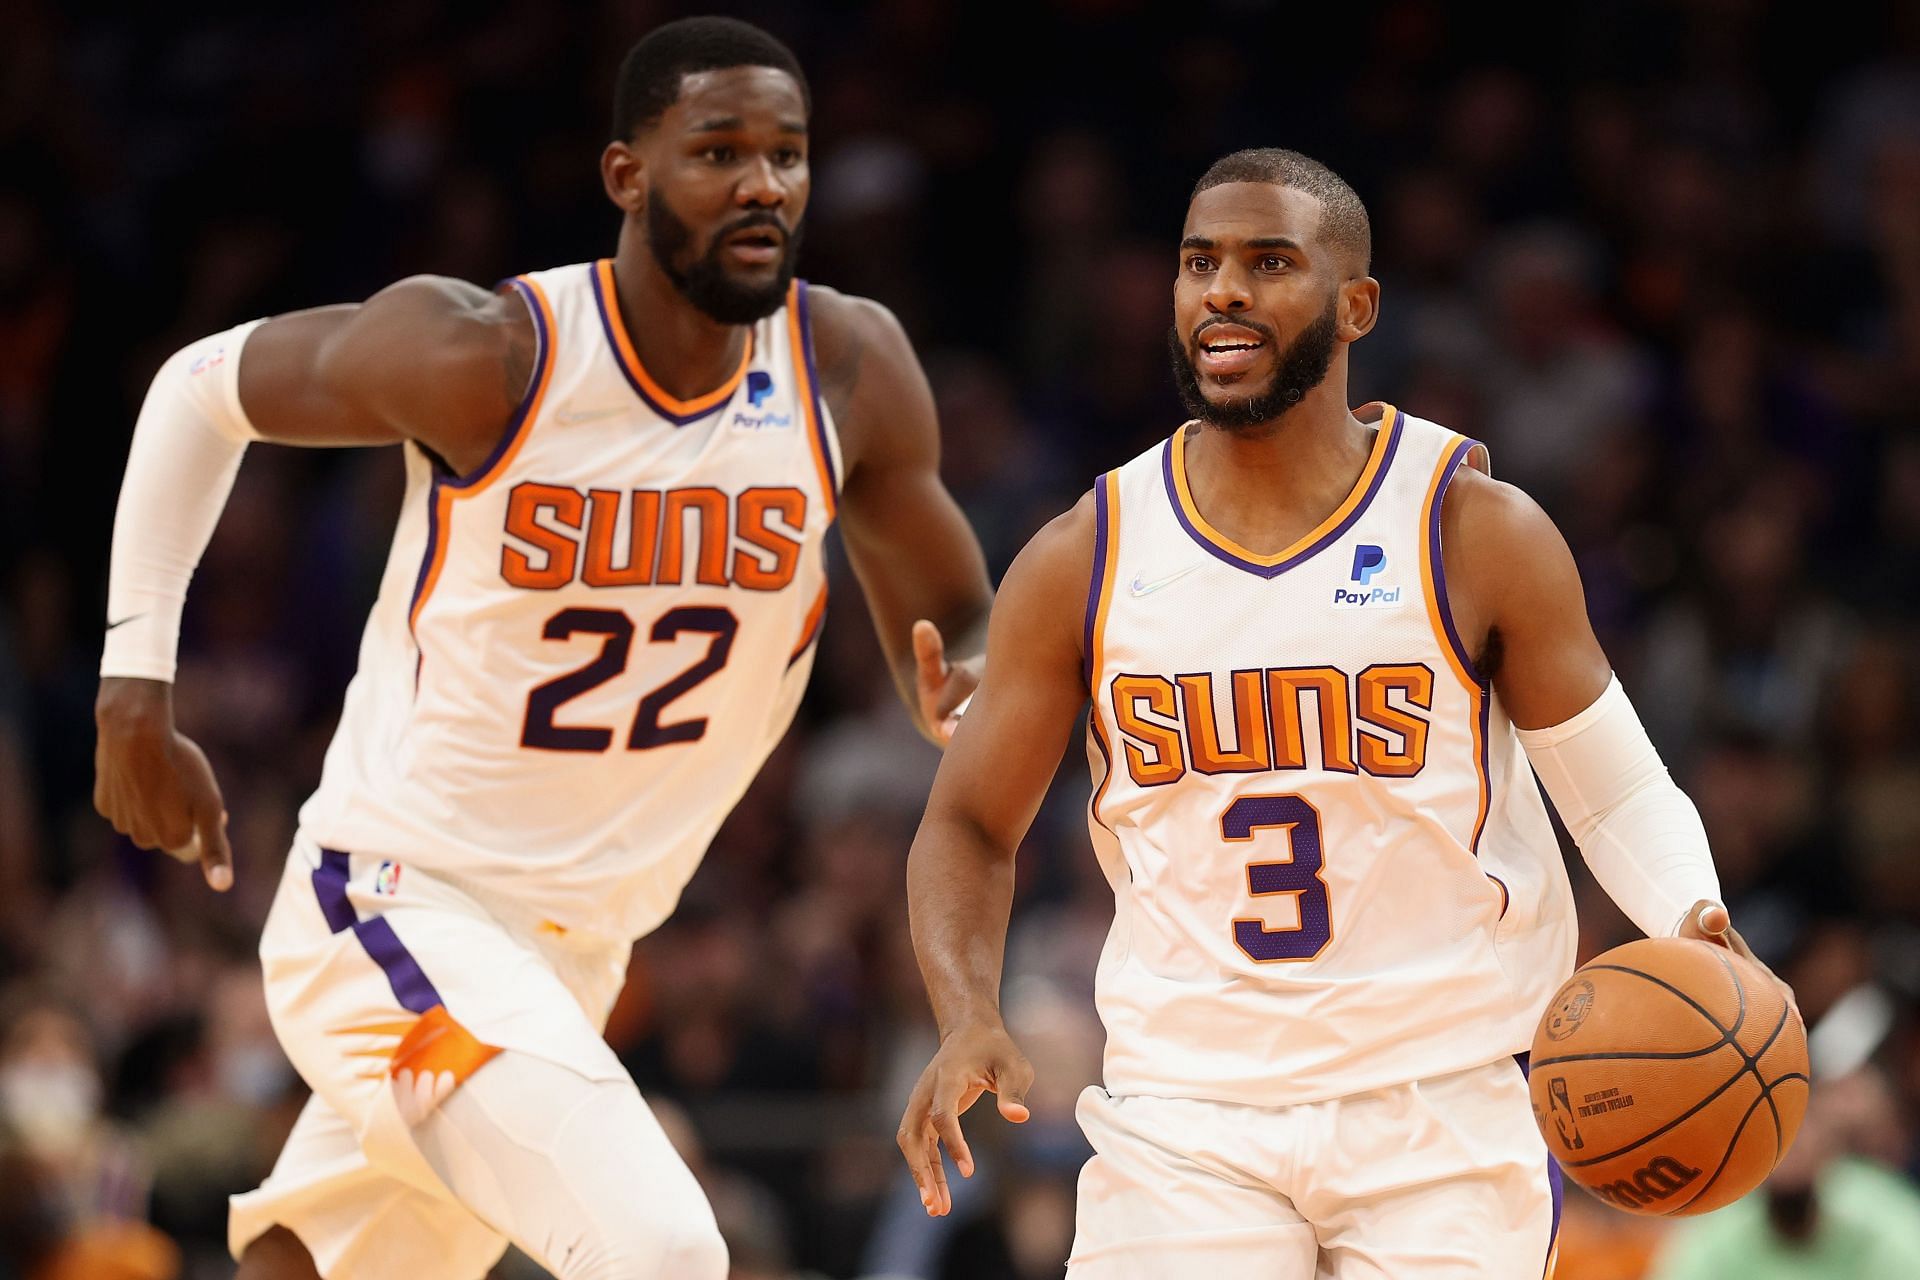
[[1669, 1076]]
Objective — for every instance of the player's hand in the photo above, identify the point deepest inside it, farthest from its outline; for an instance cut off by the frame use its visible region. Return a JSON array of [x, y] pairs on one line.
[[1708, 921], [153, 783], [943, 686], [970, 1062]]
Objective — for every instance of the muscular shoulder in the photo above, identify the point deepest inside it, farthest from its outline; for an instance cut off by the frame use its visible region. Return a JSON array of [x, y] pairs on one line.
[[871, 378], [440, 361], [457, 330], [1504, 557]]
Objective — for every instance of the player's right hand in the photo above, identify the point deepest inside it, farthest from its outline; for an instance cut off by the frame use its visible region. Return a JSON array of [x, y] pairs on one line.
[[153, 783], [971, 1062]]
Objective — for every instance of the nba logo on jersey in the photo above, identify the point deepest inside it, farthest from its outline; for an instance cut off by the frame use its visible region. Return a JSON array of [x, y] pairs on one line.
[[1368, 561], [387, 882]]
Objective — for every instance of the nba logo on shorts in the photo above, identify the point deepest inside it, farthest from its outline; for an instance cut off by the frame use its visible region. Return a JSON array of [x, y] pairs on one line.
[[387, 881]]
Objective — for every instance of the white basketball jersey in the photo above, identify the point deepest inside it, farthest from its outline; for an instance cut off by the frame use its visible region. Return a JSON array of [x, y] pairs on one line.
[[582, 653], [1331, 867]]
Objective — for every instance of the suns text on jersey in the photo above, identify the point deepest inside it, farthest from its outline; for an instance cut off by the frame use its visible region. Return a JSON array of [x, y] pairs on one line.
[[1375, 722], [557, 535]]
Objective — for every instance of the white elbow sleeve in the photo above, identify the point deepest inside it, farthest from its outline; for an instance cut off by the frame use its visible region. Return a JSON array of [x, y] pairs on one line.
[[1639, 833], [187, 447]]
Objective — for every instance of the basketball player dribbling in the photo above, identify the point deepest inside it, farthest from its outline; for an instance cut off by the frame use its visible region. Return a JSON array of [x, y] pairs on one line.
[[1322, 649], [598, 617]]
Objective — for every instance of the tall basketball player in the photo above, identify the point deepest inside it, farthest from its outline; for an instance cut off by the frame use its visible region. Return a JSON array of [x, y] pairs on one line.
[[1321, 649], [598, 617]]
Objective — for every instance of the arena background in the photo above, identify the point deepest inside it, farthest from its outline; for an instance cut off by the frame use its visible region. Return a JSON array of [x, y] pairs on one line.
[[1663, 256]]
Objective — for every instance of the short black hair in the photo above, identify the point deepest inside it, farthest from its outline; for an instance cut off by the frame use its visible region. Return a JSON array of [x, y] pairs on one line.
[[651, 73], [1343, 219]]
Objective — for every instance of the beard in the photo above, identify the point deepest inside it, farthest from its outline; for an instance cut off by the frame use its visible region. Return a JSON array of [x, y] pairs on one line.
[[704, 280], [1302, 367]]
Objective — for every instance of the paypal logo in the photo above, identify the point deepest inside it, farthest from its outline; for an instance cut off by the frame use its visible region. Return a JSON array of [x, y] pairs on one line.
[[759, 387], [1369, 562]]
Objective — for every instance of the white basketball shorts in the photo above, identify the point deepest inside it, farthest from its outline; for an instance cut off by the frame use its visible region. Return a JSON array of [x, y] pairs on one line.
[[388, 987], [1440, 1179]]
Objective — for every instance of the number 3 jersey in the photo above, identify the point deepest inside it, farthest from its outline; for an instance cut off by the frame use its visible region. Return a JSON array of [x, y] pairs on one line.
[[582, 652], [1331, 867]]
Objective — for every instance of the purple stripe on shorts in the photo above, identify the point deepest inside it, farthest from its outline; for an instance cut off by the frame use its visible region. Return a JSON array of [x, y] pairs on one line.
[[1554, 1183], [410, 984]]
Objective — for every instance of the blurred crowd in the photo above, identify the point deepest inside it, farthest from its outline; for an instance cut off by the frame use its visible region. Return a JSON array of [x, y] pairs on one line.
[[1662, 255]]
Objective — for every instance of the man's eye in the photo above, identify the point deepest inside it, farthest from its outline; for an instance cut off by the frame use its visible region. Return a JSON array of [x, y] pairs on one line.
[[1273, 263], [719, 155], [1198, 263], [786, 157]]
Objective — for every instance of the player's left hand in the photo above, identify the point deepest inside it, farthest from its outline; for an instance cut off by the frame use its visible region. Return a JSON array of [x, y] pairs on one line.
[[1708, 921], [943, 686]]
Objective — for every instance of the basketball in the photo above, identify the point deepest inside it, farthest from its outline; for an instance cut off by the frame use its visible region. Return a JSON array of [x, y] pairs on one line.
[[1669, 1076]]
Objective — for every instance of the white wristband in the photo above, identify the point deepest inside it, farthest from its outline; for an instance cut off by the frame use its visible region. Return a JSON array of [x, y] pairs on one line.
[[1639, 833], [187, 446]]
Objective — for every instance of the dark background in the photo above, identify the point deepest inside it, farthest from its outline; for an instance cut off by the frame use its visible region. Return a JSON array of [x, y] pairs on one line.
[[1663, 257]]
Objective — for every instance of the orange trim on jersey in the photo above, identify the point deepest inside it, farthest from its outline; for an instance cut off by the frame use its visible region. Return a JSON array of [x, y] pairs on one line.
[[446, 491], [811, 627], [630, 359], [377, 1029], [809, 401], [1361, 487], [1476, 692]]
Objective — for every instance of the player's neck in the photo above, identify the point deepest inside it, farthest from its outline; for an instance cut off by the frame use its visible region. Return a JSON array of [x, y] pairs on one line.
[[682, 348], [1268, 487]]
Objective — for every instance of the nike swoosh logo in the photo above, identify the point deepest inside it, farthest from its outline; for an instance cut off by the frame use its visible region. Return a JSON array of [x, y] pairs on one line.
[[1138, 588], [568, 416], [124, 621]]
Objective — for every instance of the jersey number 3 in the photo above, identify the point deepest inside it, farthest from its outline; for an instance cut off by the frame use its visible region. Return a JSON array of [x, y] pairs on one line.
[[1298, 877], [617, 627]]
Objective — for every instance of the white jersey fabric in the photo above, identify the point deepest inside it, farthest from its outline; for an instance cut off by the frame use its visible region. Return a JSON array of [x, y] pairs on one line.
[[582, 653], [1331, 866]]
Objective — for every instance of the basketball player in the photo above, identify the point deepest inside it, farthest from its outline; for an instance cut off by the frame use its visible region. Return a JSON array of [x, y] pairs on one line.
[[602, 603], [1322, 649]]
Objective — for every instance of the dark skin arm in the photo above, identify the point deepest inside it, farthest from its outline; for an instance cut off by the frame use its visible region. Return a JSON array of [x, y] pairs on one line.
[[1516, 587], [960, 873], [917, 560], [432, 360]]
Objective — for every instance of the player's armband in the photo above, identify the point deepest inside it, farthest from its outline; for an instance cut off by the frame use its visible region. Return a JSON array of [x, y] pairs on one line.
[[187, 447], [1639, 833]]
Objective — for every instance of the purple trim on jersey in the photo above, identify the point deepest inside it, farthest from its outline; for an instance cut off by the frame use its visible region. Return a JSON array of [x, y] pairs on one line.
[[410, 984], [1320, 544], [1451, 469], [517, 424], [516, 427], [602, 303], [1100, 518], [1555, 1186], [1486, 776], [813, 385]]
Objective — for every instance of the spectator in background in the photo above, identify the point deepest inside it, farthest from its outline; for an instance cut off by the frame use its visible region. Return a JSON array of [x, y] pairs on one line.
[[1823, 1215]]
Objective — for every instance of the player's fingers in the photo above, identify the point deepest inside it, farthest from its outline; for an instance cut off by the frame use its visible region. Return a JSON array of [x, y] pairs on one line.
[[1712, 917], [944, 1116], [216, 854], [915, 1140], [929, 651], [1012, 1079], [940, 1202]]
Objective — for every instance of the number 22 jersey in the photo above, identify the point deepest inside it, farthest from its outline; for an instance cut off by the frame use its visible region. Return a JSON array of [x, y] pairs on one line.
[[582, 653], [1332, 869]]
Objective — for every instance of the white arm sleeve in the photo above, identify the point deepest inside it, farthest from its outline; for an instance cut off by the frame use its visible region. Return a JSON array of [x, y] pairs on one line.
[[1639, 833], [187, 447]]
